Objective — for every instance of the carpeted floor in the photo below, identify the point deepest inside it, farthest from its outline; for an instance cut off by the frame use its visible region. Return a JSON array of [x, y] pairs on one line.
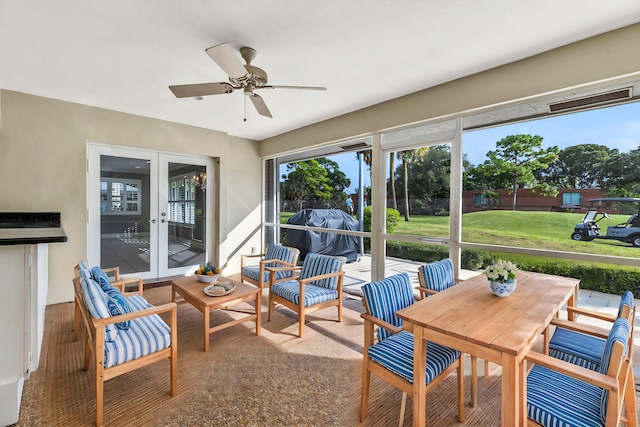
[[275, 379]]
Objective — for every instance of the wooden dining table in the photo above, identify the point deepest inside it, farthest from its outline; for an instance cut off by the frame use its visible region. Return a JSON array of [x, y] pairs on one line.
[[469, 318]]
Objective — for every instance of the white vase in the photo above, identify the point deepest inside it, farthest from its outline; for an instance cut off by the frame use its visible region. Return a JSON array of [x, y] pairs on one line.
[[502, 289]]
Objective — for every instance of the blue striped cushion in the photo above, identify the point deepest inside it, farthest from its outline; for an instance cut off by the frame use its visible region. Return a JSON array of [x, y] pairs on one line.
[[555, 399], [145, 335], [385, 297], [86, 273], [396, 354], [118, 305], [313, 294], [627, 299], [438, 275], [101, 277], [253, 272], [315, 265], [619, 333], [96, 302], [83, 265], [137, 302], [577, 348], [278, 252]]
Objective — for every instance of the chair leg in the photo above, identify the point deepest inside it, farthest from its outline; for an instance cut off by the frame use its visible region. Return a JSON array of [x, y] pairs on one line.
[[403, 405], [461, 388], [76, 319], [270, 305], [99, 396], [486, 368], [364, 397], [630, 399], [474, 381], [301, 325]]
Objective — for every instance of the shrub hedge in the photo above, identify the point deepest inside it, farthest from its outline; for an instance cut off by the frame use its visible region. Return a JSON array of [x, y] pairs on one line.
[[601, 277]]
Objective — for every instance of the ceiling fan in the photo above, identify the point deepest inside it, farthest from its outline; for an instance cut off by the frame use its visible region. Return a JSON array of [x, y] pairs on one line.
[[246, 77]]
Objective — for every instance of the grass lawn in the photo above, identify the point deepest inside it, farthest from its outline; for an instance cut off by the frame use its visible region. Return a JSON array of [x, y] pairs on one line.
[[539, 230]]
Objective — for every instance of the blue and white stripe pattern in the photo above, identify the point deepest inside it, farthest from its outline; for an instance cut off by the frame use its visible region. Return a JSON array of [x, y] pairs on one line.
[[438, 275], [96, 302], [555, 399], [385, 297], [145, 335], [274, 251], [582, 349], [118, 305], [314, 292], [395, 353], [278, 252], [101, 277], [253, 272]]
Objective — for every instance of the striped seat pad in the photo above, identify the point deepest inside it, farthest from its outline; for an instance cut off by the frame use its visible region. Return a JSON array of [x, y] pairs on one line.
[[253, 272], [145, 335], [554, 399], [395, 353], [577, 348], [313, 294]]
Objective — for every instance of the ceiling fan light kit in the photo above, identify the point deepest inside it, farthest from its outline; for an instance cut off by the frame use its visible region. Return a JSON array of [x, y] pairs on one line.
[[241, 76]]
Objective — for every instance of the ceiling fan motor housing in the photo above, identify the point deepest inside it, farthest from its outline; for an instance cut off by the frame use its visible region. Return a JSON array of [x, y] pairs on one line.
[[256, 77]]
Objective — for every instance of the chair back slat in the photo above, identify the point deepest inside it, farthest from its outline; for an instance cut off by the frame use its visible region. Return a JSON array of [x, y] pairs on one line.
[[385, 297]]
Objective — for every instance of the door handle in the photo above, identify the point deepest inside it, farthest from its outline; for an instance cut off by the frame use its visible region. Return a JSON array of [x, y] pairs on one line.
[[163, 220], [152, 221]]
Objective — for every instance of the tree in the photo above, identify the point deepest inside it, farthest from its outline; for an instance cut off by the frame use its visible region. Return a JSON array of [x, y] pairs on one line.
[[313, 179], [621, 174], [514, 161], [578, 166]]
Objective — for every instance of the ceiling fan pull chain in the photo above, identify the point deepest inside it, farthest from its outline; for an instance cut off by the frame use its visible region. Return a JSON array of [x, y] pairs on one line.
[[245, 108]]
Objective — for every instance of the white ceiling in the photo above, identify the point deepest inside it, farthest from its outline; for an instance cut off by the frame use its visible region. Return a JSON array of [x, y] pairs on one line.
[[123, 54]]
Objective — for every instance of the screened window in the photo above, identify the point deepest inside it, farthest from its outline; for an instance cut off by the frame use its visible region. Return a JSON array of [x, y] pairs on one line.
[[571, 198], [480, 199]]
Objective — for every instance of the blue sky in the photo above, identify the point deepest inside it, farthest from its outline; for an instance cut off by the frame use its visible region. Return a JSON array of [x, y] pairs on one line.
[[616, 127]]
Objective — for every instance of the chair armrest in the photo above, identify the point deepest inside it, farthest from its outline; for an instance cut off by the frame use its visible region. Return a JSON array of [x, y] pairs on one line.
[[277, 261], [592, 313], [426, 290], [581, 327], [291, 267], [244, 258], [101, 323], [381, 323], [578, 372], [122, 285]]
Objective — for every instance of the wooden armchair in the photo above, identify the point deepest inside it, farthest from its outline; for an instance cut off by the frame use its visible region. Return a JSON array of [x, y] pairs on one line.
[[391, 357], [275, 256], [117, 344], [318, 286], [112, 276], [561, 393]]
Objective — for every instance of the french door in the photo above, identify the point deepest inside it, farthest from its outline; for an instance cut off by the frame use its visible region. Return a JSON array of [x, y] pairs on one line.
[[150, 213]]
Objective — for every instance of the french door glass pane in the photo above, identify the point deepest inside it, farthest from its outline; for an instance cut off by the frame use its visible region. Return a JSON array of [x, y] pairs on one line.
[[186, 214]]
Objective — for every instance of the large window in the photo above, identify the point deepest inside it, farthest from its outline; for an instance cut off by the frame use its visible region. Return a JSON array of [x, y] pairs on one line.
[[119, 196]]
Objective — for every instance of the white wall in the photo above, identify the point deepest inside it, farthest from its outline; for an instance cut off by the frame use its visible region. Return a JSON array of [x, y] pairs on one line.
[[43, 149]]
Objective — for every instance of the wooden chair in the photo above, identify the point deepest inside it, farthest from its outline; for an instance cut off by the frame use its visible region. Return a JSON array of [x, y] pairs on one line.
[[318, 286], [275, 256], [114, 350], [113, 277], [583, 344], [435, 277], [561, 393], [391, 357]]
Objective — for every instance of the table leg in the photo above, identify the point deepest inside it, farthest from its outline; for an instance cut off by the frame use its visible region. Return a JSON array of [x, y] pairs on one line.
[[258, 312], [419, 377], [205, 328], [511, 382], [572, 303]]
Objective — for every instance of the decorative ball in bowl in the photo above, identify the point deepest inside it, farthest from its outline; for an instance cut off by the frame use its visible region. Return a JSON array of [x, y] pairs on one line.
[[207, 273], [503, 289]]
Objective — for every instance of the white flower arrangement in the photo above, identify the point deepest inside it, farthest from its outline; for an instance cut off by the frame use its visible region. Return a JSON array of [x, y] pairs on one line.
[[501, 271]]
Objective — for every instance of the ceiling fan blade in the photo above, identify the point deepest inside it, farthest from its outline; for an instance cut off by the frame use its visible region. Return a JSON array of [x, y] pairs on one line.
[[225, 56], [200, 89], [292, 87], [258, 102]]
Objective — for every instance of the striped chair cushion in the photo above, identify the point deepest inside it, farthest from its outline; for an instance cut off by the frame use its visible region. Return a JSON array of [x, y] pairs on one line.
[[627, 299], [315, 265], [253, 272], [118, 305], [96, 302], [145, 335], [577, 348], [396, 354], [83, 265], [438, 275], [619, 332], [554, 399], [385, 297], [313, 294], [278, 252], [101, 277]]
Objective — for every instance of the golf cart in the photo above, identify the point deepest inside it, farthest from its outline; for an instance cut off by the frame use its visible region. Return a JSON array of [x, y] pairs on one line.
[[628, 231]]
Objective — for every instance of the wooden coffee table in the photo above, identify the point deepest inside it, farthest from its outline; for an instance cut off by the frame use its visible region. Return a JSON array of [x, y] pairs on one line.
[[192, 291]]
